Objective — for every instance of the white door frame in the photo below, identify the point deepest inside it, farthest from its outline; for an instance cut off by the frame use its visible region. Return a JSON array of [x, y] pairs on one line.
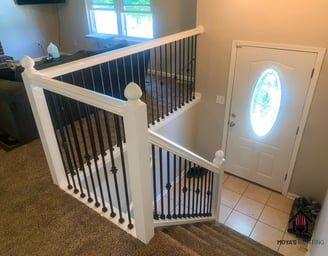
[[317, 67]]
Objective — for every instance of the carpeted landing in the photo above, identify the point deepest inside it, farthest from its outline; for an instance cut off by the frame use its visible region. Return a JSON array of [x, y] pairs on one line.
[[37, 218]]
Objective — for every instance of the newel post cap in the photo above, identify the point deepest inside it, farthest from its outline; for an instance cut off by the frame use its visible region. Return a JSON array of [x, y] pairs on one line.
[[27, 63], [132, 92], [219, 157]]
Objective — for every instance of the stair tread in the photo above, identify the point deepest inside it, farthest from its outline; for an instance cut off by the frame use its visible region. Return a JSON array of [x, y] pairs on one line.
[[215, 241], [254, 248], [169, 246], [192, 241]]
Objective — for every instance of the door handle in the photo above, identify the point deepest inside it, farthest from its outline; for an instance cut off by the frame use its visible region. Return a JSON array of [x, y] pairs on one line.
[[232, 124]]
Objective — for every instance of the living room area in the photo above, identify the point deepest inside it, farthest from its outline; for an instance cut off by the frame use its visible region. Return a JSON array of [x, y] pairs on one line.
[[28, 29]]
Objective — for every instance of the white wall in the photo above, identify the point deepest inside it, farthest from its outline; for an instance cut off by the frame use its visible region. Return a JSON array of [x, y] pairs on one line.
[[300, 22], [181, 129], [320, 236], [22, 25]]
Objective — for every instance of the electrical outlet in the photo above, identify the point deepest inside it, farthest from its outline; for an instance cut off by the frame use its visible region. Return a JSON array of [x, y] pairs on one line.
[[220, 99]]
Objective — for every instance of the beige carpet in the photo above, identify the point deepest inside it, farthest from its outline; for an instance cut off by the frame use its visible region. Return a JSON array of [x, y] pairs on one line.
[[37, 218]]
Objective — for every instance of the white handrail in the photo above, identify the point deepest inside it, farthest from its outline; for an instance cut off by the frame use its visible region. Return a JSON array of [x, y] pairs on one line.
[[95, 99], [115, 54], [169, 145]]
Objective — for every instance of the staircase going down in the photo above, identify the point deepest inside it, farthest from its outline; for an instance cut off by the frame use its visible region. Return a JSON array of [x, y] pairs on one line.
[[205, 239]]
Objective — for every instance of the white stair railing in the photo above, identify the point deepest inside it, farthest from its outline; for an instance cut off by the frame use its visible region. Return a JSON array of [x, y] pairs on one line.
[[137, 135], [174, 150], [137, 149]]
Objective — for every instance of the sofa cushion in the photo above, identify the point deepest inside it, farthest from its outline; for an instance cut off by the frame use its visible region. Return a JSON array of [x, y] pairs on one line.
[[7, 73]]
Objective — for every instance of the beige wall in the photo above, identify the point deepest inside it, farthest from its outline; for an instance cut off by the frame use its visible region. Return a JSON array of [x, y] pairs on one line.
[[22, 25], [298, 22]]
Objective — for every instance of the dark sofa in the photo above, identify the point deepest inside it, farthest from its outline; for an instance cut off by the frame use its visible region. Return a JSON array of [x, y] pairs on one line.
[[16, 118]]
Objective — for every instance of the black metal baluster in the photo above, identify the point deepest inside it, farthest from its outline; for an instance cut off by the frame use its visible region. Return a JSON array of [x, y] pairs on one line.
[[77, 144], [180, 177], [156, 86], [151, 90], [166, 83], [102, 149], [94, 152], [162, 216], [201, 195], [193, 193], [168, 185], [118, 80], [120, 144], [185, 189], [87, 155], [113, 169], [102, 79], [53, 113], [188, 70], [197, 197], [183, 70], [79, 152], [180, 67], [176, 95], [156, 216], [205, 195], [144, 71], [65, 144], [93, 143], [171, 79], [194, 66], [189, 190], [211, 195], [161, 76], [174, 186], [111, 89]]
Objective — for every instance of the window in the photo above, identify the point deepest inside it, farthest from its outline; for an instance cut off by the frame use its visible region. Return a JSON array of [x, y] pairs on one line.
[[128, 18], [265, 102]]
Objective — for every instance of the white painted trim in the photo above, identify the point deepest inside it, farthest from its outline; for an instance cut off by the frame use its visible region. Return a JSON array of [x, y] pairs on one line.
[[318, 64], [174, 222], [98, 100], [169, 145]]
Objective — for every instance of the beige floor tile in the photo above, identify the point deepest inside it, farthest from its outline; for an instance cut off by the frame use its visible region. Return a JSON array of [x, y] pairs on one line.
[[267, 235], [291, 246], [249, 207], [224, 213], [225, 177], [257, 193], [229, 198], [274, 218], [235, 184], [280, 202], [241, 223]]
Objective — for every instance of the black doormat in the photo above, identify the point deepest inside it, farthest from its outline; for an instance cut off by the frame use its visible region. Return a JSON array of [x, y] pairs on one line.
[[8, 143]]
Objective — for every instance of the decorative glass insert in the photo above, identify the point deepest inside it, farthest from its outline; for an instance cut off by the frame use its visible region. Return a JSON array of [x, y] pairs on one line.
[[265, 102]]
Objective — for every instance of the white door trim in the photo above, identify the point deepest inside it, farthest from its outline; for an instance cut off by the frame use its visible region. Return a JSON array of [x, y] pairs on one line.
[[317, 67]]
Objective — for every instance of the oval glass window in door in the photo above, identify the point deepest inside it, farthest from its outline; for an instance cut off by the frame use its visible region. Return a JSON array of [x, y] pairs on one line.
[[265, 102]]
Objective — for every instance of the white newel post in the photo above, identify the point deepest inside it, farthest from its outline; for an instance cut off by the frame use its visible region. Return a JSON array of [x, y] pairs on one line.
[[43, 121], [139, 171], [218, 183]]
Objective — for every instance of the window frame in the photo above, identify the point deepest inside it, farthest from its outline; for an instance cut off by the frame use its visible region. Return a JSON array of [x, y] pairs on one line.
[[120, 9]]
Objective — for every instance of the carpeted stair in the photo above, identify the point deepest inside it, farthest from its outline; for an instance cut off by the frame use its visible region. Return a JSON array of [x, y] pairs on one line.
[[209, 239]]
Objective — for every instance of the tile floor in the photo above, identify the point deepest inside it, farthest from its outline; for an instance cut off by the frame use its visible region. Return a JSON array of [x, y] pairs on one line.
[[260, 214]]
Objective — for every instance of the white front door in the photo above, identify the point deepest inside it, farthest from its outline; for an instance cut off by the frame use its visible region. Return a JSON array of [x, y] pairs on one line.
[[269, 91]]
